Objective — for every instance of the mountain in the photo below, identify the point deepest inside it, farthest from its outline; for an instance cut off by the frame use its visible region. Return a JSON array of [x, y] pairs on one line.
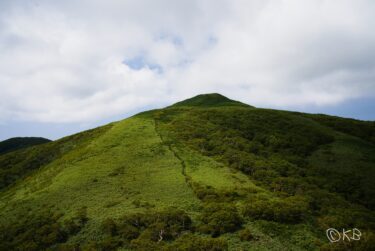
[[207, 173], [209, 100], [13, 144]]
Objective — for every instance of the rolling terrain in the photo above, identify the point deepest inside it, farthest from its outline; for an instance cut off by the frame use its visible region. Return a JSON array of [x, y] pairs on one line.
[[207, 173], [14, 144]]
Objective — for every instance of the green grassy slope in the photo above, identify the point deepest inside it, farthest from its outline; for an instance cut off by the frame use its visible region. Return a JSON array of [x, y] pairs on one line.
[[18, 164], [207, 173]]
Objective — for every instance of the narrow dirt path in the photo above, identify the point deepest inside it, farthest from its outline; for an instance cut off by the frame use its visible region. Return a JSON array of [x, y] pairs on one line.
[[175, 153]]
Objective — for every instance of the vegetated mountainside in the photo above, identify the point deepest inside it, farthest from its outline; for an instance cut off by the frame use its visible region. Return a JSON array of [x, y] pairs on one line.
[[207, 173], [13, 144], [209, 100]]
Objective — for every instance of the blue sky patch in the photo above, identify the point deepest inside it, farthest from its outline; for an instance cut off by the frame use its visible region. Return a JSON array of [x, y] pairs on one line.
[[139, 62]]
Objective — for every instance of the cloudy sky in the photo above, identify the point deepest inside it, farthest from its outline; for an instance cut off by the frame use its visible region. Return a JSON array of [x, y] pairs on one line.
[[66, 66]]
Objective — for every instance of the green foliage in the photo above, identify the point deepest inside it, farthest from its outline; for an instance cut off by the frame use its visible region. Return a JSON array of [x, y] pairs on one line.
[[220, 218], [366, 243], [14, 144], [209, 100], [145, 230], [18, 164], [190, 242], [361, 129], [289, 210], [262, 143], [341, 217], [40, 230], [346, 167], [246, 235], [170, 229], [208, 193], [214, 131], [291, 175], [278, 149]]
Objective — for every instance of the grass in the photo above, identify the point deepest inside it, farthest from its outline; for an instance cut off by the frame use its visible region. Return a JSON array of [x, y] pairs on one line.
[[17, 143], [197, 154], [209, 100], [127, 164]]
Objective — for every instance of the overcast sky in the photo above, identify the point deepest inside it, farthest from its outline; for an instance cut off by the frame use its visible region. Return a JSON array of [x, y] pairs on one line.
[[66, 66]]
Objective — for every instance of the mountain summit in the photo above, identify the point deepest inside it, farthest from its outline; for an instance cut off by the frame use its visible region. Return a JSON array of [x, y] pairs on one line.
[[208, 173], [209, 100]]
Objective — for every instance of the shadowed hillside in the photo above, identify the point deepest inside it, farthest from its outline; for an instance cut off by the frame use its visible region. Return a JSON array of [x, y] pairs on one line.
[[207, 173], [13, 144]]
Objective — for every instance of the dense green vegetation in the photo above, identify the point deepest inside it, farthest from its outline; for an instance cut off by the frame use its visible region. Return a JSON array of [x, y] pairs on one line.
[[40, 230], [361, 129], [209, 100], [17, 164], [208, 173], [14, 144]]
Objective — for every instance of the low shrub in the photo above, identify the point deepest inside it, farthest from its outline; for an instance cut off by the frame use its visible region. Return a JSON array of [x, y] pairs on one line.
[[190, 242], [143, 230], [289, 210], [220, 218], [40, 231], [246, 235]]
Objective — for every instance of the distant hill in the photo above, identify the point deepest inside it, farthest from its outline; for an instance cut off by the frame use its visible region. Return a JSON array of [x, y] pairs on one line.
[[207, 173], [209, 100], [17, 143]]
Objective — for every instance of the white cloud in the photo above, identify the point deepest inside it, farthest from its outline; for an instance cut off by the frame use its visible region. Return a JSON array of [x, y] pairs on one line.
[[62, 61]]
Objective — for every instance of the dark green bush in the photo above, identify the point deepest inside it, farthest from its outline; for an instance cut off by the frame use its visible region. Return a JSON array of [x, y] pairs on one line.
[[190, 242], [220, 218], [40, 230], [143, 230], [170, 229], [246, 235], [288, 210]]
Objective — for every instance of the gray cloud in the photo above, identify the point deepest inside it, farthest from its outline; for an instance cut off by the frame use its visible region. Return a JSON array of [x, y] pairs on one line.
[[81, 61]]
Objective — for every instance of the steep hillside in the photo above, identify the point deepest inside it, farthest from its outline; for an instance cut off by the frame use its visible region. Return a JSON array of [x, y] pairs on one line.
[[207, 173], [13, 144]]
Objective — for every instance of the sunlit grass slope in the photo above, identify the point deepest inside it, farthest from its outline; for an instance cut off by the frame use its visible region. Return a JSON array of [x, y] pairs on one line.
[[208, 173], [122, 170]]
